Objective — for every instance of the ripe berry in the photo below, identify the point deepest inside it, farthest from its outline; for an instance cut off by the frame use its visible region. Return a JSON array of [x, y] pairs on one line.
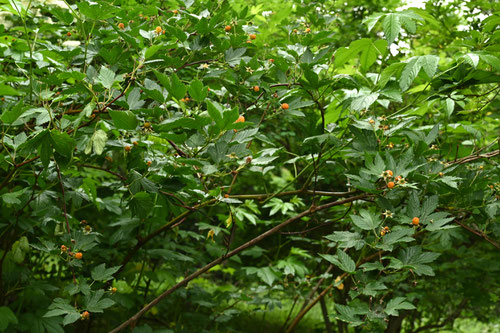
[[308, 30], [226, 195], [175, 11], [390, 184], [285, 106], [441, 174], [78, 255], [415, 221], [121, 26], [240, 119], [371, 121], [249, 42], [252, 36], [128, 148], [64, 248], [382, 233], [148, 163], [113, 290], [158, 30], [271, 60], [227, 28], [68, 34], [389, 172], [135, 143], [85, 315], [256, 88]]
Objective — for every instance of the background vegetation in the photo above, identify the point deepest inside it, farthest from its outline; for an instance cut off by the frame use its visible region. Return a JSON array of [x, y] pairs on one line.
[[235, 166]]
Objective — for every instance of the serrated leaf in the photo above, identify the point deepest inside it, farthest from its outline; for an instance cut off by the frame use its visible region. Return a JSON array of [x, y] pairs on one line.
[[398, 303], [101, 273], [197, 90], [366, 221], [392, 27], [106, 77]]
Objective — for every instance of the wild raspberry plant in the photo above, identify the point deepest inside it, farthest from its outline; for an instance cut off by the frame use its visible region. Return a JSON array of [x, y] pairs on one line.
[[190, 165]]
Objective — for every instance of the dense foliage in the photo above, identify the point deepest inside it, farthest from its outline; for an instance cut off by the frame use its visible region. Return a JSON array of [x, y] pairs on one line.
[[210, 161]]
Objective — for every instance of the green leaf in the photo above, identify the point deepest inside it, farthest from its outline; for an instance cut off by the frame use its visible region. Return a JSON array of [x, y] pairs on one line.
[[124, 119], [366, 221], [197, 90], [392, 26], [101, 273], [63, 143], [410, 72], [176, 88], [371, 20], [368, 49], [106, 77], [11, 198], [6, 90], [341, 260], [95, 303], [267, 275], [7, 317], [97, 142], [398, 303], [9, 116], [215, 114]]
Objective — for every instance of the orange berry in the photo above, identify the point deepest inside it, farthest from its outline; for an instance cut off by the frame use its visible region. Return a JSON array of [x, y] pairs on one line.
[[135, 143], [371, 121], [390, 184], [271, 60], [415, 221], [248, 160], [382, 233], [64, 248], [256, 88], [208, 88], [441, 174], [128, 148], [68, 34], [240, 119], [389, 172], [148, 163], [285, 106], [78, 255], [252, 36], [175, 11], [226, 195], [113, 290], [163, 32], [121, 26], [158, 30], [227, 28], [295, 31], [308, 30], [85, 315]]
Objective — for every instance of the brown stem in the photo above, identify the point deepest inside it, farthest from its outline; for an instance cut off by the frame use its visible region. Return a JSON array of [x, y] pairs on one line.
[[479, 233], [131, 321]]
